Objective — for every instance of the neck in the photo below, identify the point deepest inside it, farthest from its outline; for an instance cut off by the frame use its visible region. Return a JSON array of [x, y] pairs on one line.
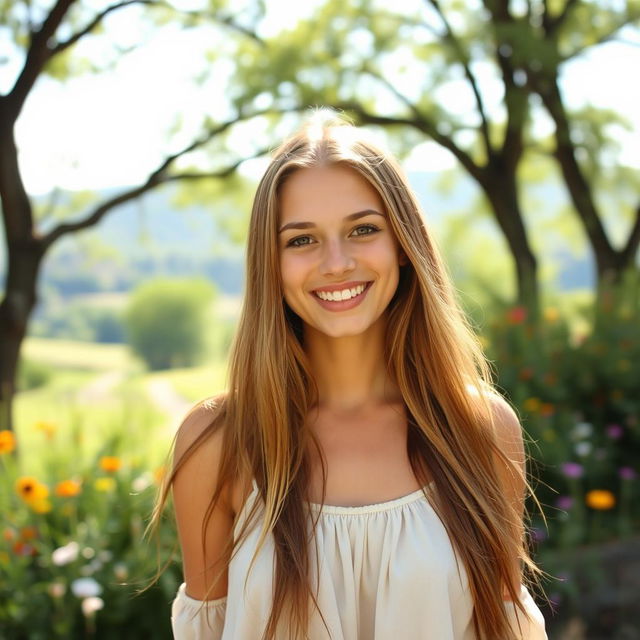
[[351, 371]]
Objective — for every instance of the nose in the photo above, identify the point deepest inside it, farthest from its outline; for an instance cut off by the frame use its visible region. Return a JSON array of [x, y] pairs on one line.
[[336, 259]]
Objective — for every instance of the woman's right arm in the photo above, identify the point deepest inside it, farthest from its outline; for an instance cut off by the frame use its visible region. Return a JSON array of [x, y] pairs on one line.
[[198, 610]]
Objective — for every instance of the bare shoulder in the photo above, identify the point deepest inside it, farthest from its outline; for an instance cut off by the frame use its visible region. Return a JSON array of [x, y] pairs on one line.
[[203, 532]]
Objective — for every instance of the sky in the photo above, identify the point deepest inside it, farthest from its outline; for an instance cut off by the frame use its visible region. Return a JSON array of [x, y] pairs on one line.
[[106, 130]]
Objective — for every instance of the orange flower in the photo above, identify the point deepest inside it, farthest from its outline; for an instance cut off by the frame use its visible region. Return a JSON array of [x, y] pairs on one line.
[[7, 441], [110, 464], [67, 488], [547, 409], [532, 405], [30, 490], [8, 535], [28, 533], [41, 506], [600, 499]]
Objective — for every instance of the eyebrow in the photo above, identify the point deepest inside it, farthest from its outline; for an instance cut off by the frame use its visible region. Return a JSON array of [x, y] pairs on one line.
[[310, 225]]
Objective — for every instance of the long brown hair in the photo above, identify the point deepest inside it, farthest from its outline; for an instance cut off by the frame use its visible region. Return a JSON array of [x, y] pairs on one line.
[[434, 358]]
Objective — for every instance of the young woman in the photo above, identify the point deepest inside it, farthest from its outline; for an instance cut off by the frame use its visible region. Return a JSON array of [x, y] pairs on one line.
[[360, 480]]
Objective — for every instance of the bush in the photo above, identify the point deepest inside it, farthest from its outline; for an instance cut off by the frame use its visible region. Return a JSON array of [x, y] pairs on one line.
[[165, 322]]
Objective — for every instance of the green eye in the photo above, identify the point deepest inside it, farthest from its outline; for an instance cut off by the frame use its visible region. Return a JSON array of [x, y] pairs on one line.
[[300, 241], [365, 230]]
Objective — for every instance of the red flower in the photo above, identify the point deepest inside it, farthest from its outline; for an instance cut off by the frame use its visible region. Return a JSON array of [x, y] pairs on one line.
[[517, 315]]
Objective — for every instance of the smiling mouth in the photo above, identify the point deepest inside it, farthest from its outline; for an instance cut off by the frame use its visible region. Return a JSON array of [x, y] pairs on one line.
[[342, 294]]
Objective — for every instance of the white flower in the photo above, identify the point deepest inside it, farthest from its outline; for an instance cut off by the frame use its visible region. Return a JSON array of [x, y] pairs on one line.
[[65, 555], [582, 430], [91, 604], [583, 449], [85, 588], [142, 482]]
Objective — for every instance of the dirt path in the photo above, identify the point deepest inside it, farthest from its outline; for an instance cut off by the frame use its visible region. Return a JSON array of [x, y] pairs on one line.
[[165, 398], [100, 388]]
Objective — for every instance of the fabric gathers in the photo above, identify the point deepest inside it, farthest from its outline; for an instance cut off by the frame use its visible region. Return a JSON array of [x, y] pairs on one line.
[[386, 571]]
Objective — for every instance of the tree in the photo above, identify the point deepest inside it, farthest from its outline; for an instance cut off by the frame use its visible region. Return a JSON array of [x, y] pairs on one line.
[[397, 70], [45, 38], [166, 321]]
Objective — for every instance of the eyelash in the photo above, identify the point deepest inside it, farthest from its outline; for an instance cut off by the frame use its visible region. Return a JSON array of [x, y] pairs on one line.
[[371, 230]]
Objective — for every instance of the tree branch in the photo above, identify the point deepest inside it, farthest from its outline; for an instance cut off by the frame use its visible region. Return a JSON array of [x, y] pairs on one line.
[[157, 177], [552, 24], [61, 46], [464, 60], [422, 124], [603, 38], [37, 56]]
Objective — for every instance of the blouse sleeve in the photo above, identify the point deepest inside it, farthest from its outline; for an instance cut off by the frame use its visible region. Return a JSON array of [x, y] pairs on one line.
[[532, 626], [196, 619]]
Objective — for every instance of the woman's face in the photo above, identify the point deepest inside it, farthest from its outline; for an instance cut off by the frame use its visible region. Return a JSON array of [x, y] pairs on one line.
[[339, 259]]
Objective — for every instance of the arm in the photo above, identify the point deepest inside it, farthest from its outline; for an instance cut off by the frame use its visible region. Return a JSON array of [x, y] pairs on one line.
[[508, 433], [193, 488]]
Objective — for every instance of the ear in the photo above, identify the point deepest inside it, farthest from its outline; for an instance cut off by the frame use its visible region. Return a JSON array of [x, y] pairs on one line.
[[402, 258]]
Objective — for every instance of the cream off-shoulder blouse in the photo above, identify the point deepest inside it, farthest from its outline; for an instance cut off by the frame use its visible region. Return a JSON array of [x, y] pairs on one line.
[[388, 571]]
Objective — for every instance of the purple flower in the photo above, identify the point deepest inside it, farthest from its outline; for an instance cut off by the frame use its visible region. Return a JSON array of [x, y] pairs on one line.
[[564, 502], [614, 431], [572, 469], [538, 535], [627, 473]]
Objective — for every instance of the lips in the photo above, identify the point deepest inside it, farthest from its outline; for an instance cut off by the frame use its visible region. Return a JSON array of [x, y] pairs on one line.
[[342, 296]]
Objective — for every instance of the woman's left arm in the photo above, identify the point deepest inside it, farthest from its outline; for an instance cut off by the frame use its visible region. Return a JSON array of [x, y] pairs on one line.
[[508, 433]]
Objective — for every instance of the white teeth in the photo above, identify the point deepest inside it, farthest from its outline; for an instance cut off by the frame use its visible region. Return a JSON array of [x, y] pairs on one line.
[[345, 294]]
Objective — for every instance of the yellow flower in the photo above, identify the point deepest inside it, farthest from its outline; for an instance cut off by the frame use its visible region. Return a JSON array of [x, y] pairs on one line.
[[105, 484], [600, 499], [532, 405], [159, 474], [41, 506], [110, 464], [67, 488], [48, 428], [7, 441], [551, 315], [31, 490]]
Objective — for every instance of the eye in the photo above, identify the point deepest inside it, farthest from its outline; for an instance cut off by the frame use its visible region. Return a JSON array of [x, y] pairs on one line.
[[299, 241], [365, 230]]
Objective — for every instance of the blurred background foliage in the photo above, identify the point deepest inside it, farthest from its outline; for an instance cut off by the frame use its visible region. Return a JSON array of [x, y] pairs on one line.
[[124, 227]]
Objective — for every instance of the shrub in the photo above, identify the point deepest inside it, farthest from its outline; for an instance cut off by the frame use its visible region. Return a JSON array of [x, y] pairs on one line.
[[165, 322]]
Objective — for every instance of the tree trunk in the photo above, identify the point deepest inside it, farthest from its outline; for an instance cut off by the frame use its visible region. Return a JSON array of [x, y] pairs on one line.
[[15, 309], [500, 188]]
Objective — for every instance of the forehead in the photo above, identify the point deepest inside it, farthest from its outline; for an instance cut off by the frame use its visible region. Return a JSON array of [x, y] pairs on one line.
[[321, 192]]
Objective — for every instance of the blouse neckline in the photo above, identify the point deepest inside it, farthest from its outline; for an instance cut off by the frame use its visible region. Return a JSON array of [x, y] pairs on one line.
[[377, 507]]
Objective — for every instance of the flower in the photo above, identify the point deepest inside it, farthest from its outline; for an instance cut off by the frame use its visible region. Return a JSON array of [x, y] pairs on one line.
[[582, 430], [21, 548], [583, 449], [564, 502], [159, 474], [48, 428], [532, 405], [31, 490], [517, 315], [7, 441], [572, 469], [41, 506], [110, 464], [600, 499], [28, 533], [91, 605], [614, 431], [547, 409], [551, 315], [105, 484], [57, 589], [627, 473], [85, 588], [67, 488], [65, 555]]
